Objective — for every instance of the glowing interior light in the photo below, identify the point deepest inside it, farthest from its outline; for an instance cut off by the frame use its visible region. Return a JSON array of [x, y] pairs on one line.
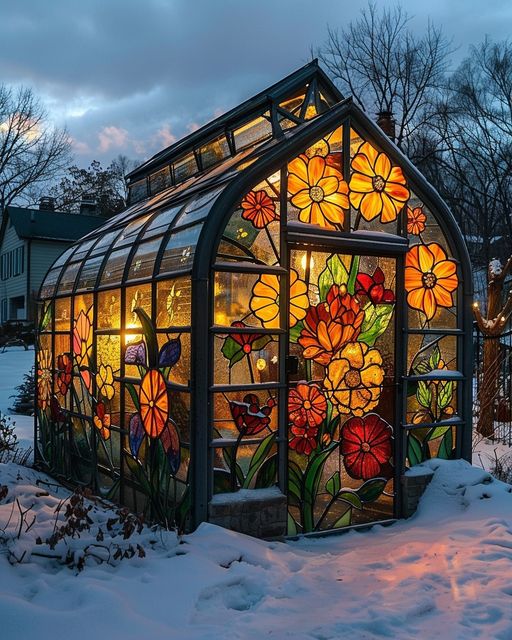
[[303, 262], [261, 364]]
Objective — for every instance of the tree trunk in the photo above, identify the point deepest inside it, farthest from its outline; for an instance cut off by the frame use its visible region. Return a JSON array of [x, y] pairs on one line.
[[489, 385]]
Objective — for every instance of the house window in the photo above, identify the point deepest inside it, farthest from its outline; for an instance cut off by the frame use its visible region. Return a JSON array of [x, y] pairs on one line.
[[12, 263], [3, 310]]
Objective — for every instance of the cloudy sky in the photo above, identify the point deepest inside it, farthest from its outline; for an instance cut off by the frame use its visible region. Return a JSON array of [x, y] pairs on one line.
[[132, 76]]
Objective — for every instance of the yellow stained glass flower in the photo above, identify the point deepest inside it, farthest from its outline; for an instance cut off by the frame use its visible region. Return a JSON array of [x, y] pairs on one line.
[[318, 190], [377, 188], [44, 378], [265, 299], [105, 381], [430, 278], [354, 378]]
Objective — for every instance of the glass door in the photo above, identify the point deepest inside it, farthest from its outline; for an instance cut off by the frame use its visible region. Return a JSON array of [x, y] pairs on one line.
[[341, 390]]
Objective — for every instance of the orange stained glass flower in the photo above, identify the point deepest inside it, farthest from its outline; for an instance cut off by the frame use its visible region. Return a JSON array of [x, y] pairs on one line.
[[154, 403], [102, 421], [354, 378], [44, 378], [377, 188], [430, 278], [330, 325], [265, 299], [82, 346], [318, 190], [306, 405], [416, 219], [259, 208]]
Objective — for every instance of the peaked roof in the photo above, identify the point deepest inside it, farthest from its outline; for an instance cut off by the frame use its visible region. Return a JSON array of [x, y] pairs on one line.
[[51, 225], [247, 109]]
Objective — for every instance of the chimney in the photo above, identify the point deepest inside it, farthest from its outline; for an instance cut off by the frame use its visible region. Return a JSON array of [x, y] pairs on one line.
[[386, 122], [46, 203], [88, 205]]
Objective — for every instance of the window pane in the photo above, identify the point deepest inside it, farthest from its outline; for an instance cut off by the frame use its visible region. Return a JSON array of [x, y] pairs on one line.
[[252, 132], [109, 309], [89, 274], [113, 270], [180, 250], [173, 303], [68, 278], [143, 262]]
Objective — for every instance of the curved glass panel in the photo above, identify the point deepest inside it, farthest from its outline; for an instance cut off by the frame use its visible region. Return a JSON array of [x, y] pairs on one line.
[[105, 241], [114, 268], [87, 279], [180, 250], [130, 232], [161, 222], [64, 256], [68, 278], [48, 286], [198, 208], [143, 262]]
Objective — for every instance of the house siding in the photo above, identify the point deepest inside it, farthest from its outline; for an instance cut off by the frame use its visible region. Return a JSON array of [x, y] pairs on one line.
[[13, 286]]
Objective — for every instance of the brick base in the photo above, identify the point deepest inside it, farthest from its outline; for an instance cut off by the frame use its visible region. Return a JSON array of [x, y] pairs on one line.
[[413, 487], [261, 513]]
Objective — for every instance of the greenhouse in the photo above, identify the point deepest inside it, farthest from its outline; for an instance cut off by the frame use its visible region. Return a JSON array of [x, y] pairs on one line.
[[273, 331]]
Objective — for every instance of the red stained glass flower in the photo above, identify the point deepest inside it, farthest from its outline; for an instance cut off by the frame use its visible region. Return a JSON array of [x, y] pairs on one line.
[[249, 417], [258, 208], [306, 405], [245, 340], [63, 375], [102, 421], [366, 446], [304, 438], [330, 325], [373, 287]]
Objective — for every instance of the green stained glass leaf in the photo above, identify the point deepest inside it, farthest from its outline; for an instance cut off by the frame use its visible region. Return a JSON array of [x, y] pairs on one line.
[[354, 269], [333, 485], [424, 394], [376, 321], [344, 521], [135, 467], [434, 358], [133, 394], [150, 335], [227, 454], [292, 525], [46, 318], [371, 489], [351, 498], [446, 446], [312, 477], [437, 433], [414, 450], [267, 473], [335, 272], [258, 458], [295, 331], [294, 482], [445, 394], [232, 351]]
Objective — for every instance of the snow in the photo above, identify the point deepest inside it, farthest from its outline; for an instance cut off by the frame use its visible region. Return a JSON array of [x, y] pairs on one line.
[[14, 362], [444, 573]]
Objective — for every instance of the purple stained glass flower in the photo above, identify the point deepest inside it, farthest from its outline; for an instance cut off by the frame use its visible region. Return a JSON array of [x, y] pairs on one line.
[[136, 434], [171, 443], [135, 353], [170, 353]]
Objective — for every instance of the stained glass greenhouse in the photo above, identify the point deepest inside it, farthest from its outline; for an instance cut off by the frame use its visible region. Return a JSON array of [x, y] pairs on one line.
[[282, 310]]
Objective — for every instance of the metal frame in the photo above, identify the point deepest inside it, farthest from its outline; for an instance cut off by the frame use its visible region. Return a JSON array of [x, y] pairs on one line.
[[272, 156]]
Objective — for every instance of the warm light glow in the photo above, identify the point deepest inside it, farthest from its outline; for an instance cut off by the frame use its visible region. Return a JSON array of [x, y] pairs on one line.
[[129, 338], [261, 364], [475, 305], [303, 262]]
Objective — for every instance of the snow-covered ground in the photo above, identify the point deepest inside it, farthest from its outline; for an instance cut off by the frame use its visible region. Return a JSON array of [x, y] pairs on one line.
[[14, 362], [445, 573]]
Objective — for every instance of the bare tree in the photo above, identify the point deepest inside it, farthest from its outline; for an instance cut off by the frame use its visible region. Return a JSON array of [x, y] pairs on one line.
[[473, 130], [32, 151], [385, 67]]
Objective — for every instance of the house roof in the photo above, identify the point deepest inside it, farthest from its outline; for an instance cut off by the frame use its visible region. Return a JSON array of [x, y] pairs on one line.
[[51, 225]]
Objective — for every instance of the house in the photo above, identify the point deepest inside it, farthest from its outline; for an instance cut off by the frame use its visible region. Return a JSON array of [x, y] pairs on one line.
[[31, 242]]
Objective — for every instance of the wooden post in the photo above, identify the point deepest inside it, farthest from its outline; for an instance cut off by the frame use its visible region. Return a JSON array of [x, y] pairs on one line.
[[492, 327]]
